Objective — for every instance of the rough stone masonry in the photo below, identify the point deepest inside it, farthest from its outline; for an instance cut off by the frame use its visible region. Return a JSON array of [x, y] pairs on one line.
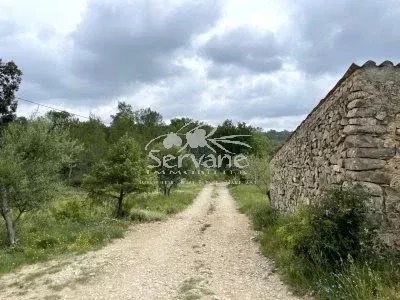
[[351, 136]]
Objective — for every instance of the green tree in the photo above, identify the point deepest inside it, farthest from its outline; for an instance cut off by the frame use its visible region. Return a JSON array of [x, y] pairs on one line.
[[260, 144], [278, 137], [92, 134], [123, 123], [170, 171], [61, 119], [31, 157], [148, 124], [257, 172], [122, 172], [10, 79]]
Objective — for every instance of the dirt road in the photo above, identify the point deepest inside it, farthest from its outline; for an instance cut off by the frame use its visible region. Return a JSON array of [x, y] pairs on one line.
[[205, 252]]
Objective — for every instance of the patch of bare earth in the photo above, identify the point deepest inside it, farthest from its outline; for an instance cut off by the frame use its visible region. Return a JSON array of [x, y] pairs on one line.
[[205, 252]]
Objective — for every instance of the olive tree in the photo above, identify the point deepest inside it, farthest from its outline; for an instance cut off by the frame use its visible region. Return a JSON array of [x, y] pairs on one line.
[[122, 172], [31, 157]]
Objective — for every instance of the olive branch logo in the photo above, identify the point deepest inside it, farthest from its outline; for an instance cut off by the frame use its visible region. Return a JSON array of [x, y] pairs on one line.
[[197, 137]]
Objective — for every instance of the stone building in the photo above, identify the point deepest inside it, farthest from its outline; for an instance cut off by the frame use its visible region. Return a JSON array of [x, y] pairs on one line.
[[351, 136]]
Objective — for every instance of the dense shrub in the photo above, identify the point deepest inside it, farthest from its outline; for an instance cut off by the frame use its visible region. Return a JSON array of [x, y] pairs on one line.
[[68, 209], [339, 228], [329, 247], [262, 215]]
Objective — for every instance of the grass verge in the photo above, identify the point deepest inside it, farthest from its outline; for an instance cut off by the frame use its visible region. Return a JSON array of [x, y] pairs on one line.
[[375, 277], [74, 224]]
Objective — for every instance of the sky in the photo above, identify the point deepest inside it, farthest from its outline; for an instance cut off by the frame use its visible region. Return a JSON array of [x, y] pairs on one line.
[[263, 62]]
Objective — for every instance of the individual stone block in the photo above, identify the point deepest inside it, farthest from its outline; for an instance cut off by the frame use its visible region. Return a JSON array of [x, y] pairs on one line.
[[375, 176], [362, 164], [362, 141], [382, 153], [363, 121], [381, 115], [358, 95], [356, 103], [361, 129], [361, 112]]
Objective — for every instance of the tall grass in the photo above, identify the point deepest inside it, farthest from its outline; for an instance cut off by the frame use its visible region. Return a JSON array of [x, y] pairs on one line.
[[72, 223], [252, 202], [289, 239]]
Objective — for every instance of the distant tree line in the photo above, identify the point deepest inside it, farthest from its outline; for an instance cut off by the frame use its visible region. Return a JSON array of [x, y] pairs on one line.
[[41, 153]]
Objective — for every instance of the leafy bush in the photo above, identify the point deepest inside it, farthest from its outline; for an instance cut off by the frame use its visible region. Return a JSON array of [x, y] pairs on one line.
[[262, 215], [70, 223], [68, 209], [329, 247], [339, 228], [47, 242]]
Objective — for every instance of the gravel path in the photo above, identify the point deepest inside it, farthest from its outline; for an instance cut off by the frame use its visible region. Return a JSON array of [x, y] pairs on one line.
[[205, 252]]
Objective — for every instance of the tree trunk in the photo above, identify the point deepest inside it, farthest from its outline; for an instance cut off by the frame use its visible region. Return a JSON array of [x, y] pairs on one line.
[[70, 174], [120, 211], [169, 190], [165, 189], [6, 213]]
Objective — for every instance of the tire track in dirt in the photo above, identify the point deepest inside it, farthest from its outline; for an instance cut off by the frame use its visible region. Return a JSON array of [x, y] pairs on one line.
[[205, 252]]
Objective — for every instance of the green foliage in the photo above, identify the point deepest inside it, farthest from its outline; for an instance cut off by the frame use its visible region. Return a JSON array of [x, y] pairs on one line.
[[144, 215], [69, 209], [257, 172], [92, 135], [123, 171], [10, 79], [31, 156], [61, 119], [255, 204], [122, 126], [327, 248], [168, 171], [228, 128], [178, 200], [143, 124], [72, 223], [277, 137], [261, 146], [340, 227], [370, 280], [69, 224]]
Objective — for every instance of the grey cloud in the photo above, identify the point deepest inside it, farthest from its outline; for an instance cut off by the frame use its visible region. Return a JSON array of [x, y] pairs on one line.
[[39, 64], [244, 49], [118, 46], [330, 35], [126, 42]]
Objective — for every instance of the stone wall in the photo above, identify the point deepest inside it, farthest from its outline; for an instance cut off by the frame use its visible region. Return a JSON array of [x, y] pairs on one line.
[[352, 136]]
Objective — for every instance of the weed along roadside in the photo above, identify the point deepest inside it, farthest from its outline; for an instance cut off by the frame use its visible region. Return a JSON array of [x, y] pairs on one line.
[[76, 225], [327, 250], [204, 252]]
